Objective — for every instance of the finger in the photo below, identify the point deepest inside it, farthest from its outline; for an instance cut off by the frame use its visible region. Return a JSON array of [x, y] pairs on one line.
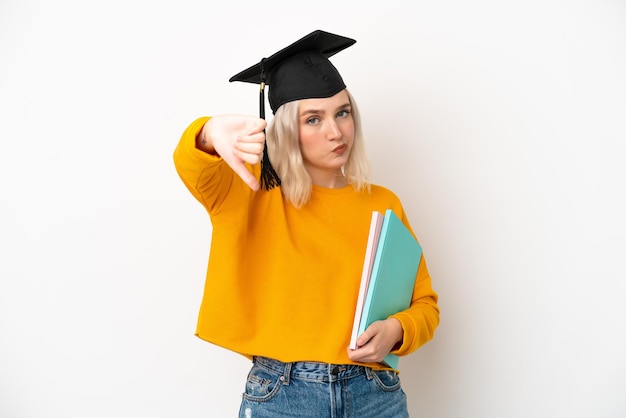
[[250, 152], [251, 138], [248, 157], [257, 138], [364, 355]]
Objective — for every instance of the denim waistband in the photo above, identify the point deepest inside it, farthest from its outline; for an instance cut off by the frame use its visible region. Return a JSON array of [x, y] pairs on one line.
[[313, 371]]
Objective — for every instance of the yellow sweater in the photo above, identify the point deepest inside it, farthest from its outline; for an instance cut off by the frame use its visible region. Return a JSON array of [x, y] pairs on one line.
[[283, 282]]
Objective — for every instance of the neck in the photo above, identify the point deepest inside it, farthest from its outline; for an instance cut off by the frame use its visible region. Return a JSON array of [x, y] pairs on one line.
[[330, 181]]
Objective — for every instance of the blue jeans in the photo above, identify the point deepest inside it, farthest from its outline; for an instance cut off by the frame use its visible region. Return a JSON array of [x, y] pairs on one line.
[[309, 389]]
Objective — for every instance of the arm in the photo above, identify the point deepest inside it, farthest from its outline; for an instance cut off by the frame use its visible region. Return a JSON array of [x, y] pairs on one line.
[[420, 321], [405, 331]]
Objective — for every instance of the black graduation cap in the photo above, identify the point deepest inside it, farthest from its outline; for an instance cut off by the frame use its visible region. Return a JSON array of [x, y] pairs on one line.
[[300, 71]]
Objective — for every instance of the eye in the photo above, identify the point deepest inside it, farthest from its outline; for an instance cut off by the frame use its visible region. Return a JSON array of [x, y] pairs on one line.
[[313, 120], [343, 113]]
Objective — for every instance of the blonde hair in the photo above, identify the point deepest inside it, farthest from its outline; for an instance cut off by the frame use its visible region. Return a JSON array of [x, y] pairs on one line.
[[283, 145]]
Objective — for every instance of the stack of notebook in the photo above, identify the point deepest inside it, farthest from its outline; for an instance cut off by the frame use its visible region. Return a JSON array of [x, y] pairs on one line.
[[392, 258]]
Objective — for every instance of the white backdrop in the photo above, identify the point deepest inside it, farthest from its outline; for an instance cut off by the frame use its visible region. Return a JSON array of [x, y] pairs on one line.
[[501, 125]]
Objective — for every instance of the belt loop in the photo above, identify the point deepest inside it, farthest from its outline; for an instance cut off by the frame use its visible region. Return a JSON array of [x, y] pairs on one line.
[[286, 374], [369, 373]]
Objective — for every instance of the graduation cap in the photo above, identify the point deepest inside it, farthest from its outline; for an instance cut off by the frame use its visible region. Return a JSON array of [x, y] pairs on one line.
[[302, 70]]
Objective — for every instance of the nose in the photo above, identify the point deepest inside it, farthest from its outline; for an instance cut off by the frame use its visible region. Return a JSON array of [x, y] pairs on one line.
[[332, 130]]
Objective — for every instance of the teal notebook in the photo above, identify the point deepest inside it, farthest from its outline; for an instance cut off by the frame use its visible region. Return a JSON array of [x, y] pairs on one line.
[[393, 275]]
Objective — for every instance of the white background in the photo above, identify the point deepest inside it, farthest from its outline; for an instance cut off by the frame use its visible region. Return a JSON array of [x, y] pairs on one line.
[[501, 125]]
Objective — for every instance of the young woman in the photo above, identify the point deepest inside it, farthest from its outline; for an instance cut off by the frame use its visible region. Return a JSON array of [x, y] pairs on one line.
[[289, 234]]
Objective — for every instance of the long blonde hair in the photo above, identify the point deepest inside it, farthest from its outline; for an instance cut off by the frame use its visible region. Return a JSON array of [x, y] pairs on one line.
[[283, 145]]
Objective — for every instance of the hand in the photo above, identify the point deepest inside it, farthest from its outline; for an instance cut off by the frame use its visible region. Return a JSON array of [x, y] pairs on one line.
[[238, 139], [377, 341]]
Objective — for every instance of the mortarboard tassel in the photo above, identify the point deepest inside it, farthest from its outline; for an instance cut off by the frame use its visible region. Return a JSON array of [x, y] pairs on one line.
[[269, 177]]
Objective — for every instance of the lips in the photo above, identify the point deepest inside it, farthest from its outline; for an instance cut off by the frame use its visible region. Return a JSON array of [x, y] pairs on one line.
[[339, 149]]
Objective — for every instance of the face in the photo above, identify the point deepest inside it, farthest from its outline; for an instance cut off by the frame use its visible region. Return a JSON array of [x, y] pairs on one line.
[[326, 131]]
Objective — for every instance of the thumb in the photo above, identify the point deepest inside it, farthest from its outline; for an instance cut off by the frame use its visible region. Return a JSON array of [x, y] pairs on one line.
[[242, 171]]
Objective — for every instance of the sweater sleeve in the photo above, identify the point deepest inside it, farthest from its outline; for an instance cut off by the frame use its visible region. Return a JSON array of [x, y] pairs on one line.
[[421, 319], [207, 176]]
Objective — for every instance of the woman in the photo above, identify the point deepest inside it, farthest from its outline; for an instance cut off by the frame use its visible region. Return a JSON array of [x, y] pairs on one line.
[[287, 252]]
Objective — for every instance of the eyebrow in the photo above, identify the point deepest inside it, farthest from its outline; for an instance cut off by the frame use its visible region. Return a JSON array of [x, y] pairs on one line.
[[315, 111]]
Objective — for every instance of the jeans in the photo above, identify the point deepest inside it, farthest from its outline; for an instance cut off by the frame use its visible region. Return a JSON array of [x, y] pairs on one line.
[[310, 389]]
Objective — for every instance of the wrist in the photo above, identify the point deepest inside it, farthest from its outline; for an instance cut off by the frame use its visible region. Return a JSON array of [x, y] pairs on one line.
[[397, 332], [203, 142]]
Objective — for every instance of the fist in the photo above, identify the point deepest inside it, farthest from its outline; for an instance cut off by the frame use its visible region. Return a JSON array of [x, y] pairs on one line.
[[237, 139]]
